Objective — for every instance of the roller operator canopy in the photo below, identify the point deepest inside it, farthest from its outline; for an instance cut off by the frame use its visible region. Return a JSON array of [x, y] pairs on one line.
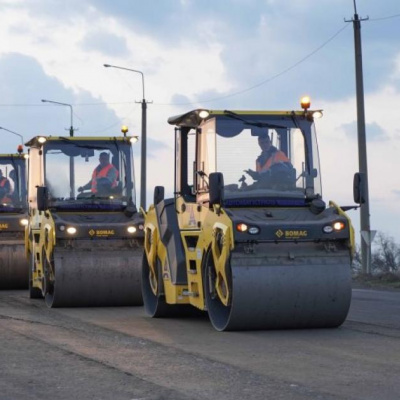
[[39, 140], [231, 123]]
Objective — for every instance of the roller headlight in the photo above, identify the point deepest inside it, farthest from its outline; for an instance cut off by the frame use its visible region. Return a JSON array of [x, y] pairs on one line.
[[134, 139], [24, 221], [131, 229], [204, 114], [252, 230], [71, 230], [317, 114], [242, 227], [338, 226]]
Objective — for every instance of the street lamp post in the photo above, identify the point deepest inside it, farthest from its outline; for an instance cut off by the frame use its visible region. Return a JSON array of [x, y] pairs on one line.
[[143, 156], [71, 159], [15, 133], [71, 129]]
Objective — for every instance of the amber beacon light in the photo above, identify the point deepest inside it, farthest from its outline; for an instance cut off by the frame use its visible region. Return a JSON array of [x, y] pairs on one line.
[[305, 103]]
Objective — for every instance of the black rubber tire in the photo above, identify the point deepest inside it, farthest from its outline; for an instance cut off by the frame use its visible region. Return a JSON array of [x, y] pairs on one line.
[[218, 313], [154, 305]]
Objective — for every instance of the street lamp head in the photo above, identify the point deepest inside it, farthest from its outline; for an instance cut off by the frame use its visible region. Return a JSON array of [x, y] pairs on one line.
[[15, 133], [144, 134], [129, 69], [71, 129]]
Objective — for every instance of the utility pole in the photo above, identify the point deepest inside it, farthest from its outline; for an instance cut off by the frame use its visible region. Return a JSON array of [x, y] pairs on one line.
[[366, 237], [143, 157]]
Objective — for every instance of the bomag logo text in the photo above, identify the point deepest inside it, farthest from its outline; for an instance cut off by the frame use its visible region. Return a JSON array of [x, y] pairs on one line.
[[292, 234], [3, 226], [102, 232]]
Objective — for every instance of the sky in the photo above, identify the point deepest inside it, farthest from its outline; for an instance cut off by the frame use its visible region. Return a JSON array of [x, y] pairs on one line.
[[216, 54]]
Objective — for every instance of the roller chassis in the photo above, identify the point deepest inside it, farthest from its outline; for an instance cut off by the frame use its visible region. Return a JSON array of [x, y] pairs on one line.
[[266, 255], [228, 273], [84, 248], [14, 268]]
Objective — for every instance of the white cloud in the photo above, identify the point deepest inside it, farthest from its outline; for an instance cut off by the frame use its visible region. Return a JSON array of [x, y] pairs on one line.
[[219, 51]]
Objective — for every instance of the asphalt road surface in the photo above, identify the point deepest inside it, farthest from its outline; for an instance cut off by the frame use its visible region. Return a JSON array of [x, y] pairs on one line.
[[120, 353]]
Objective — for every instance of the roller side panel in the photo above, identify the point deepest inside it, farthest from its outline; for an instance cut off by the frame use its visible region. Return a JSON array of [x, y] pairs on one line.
[[171, 238]]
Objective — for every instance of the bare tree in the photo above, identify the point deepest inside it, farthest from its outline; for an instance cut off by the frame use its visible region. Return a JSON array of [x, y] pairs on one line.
[[386, 254], [356, 265]]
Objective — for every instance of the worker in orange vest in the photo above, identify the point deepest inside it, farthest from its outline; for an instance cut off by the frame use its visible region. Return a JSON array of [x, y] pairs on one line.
[[104, 177], [5, 189], [269, 157]]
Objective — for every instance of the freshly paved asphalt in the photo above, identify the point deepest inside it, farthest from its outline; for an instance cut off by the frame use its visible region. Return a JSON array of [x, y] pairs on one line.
[[120, 353]]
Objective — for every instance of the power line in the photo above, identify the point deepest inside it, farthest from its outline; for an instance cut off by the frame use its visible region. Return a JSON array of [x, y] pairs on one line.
[[73, 104], [384, 18], [266, 80], [117, 122], [215, 98]]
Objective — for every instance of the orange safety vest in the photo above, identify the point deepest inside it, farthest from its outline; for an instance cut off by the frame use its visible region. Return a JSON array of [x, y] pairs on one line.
[[276, 157], [103, 174], [3, 182], [5, 199]]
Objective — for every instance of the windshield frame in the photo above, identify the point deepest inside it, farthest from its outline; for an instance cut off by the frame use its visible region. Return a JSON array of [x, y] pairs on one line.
[[122, 149], [230, 126], [19, 165]]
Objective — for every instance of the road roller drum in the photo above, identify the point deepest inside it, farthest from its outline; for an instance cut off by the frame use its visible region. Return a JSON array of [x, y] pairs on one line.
[[308, 291], [13, 266], [96, 277]]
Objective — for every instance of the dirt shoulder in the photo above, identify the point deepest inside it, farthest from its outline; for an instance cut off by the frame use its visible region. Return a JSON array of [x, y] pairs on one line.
[[380, 282]]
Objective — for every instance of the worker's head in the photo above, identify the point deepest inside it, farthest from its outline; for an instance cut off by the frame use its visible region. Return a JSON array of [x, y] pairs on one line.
[[104, 159], [264, 142]]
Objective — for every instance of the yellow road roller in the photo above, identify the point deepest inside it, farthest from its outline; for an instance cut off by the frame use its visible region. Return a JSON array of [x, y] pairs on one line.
[[13, 219], [247, 236], [85, 234]]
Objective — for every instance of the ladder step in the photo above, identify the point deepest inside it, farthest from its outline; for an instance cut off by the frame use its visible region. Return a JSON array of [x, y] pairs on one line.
[[190, 294]]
